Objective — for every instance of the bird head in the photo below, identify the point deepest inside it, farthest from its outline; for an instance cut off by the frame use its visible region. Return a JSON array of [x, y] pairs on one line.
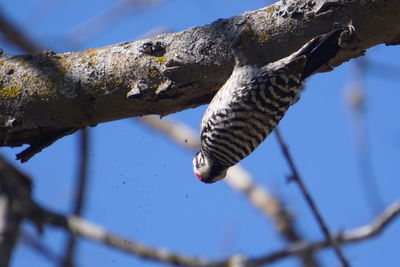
[[207, 170]]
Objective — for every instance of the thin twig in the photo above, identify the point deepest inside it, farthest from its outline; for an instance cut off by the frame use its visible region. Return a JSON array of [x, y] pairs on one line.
[[362, 233], [82, 170], [38, 246], [295, 176], [80, 192]]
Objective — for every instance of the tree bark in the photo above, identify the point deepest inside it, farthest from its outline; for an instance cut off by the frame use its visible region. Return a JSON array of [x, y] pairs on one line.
[[47, 95]]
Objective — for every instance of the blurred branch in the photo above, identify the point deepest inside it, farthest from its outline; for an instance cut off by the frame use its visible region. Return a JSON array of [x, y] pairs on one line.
[[82, 176], [83, 167], [295, 176], [362, 233], [238, 179], [96, 233], [356, 100], [38, 246], [102, 22], [43, 10], [175, 131], [14, 185], [155, 31], [17, 187], [384, 70], [16, 37]]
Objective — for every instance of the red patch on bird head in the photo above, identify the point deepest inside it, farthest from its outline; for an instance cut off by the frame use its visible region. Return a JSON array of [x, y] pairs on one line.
[[198, 176], [203, 180]]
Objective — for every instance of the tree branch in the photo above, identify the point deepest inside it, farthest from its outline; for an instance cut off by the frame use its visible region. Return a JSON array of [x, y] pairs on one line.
[[14, 185], [357, 106], [48, 95], [97, 234], [81, 188], [356, 235], [102, 22], [18, 188], [35, 243], [16, 37]]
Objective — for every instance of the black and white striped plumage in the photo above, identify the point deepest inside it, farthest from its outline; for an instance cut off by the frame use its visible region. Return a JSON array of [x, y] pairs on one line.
[[251, 103]]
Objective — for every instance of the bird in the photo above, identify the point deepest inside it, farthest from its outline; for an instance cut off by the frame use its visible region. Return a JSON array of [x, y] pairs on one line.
[[253, 100]]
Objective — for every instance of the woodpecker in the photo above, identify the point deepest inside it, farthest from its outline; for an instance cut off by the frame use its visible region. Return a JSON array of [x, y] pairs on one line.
[[251, 103]]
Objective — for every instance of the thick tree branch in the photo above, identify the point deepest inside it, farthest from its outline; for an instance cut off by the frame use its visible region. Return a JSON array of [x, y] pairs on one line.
[[48, 95]]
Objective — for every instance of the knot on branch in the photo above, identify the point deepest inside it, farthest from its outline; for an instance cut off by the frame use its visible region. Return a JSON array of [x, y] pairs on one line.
[[157, 49]]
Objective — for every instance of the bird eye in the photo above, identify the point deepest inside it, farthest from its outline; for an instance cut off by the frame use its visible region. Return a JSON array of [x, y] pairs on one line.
[[199, 160]]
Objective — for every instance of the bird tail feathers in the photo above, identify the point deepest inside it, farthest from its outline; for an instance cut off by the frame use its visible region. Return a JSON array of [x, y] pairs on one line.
[[319, 51]]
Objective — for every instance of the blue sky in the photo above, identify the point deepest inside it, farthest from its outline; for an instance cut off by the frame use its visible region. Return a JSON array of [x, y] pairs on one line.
[[142, 186]]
